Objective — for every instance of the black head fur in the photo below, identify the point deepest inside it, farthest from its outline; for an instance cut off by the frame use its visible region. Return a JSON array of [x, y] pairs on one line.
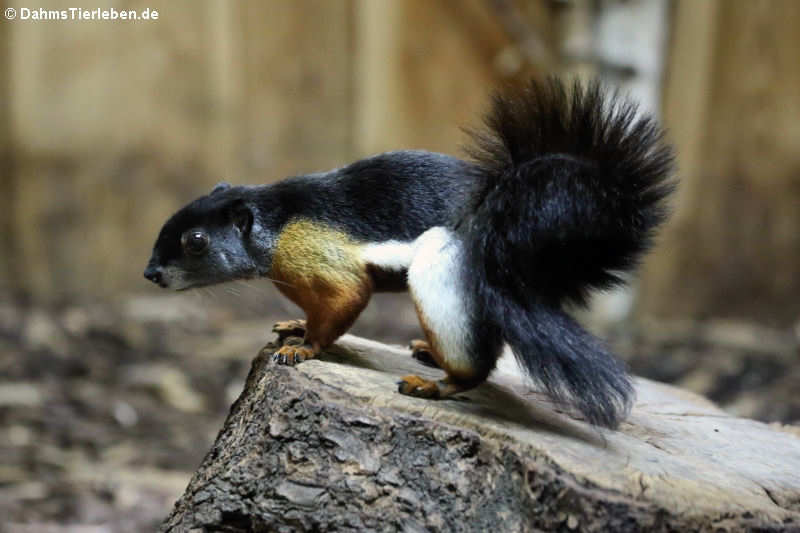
[[238, 244]]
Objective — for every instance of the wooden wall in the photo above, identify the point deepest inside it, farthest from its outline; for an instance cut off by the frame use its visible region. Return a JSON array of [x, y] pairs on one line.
[[732, 104], [107, 128]]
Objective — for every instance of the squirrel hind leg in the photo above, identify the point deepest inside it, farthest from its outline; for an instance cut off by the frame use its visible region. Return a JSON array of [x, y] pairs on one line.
[[456, 339]]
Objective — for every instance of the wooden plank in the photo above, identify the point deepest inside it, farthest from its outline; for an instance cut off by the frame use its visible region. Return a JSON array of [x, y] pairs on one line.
[[116, 125], [8, 256], [297, 62], [733, 249], [423, 70]]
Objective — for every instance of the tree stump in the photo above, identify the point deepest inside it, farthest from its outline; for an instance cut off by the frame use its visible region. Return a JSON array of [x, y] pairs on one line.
[[330, 445]]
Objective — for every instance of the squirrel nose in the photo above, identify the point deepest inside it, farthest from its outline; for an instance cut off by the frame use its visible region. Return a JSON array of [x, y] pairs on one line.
[[154, 275]]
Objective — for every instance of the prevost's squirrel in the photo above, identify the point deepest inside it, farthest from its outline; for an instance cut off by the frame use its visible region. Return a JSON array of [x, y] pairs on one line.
[[562, 193]]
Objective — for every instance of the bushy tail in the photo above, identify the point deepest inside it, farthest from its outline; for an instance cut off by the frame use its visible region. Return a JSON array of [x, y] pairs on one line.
[[574, 367], [571, 186]]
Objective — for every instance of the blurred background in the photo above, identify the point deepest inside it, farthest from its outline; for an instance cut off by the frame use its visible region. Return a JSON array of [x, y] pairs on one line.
[[111, 391]]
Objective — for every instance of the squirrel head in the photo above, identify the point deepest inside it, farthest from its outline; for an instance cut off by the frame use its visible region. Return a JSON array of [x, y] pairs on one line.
[[214, 239]]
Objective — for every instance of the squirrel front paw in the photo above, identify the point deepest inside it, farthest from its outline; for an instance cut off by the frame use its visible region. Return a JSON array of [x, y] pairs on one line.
[[295, 351]]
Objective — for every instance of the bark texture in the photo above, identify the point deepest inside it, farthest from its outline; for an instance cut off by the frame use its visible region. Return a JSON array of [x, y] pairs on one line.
[[330, 446]]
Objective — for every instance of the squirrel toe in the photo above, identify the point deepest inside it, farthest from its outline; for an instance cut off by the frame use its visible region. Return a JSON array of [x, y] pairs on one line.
[[292, 355]]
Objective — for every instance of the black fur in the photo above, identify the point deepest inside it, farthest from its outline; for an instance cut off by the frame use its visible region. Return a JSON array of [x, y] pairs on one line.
[[570, 189], [396, 195], [391, 196]]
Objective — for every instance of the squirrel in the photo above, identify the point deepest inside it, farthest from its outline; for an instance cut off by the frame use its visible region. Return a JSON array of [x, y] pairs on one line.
[[561, 195]]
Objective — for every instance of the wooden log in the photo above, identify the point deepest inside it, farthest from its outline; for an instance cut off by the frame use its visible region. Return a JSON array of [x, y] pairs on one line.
[[330, 445]]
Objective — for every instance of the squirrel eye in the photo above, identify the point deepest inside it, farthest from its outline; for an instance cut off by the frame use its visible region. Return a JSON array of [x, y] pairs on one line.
[[194, 242]]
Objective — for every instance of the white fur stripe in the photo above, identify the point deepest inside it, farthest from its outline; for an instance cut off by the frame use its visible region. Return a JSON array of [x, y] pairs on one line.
[[390, 255]]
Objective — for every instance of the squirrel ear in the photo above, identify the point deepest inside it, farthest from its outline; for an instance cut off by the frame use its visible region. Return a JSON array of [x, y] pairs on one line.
[[242, 217], [221, 186]]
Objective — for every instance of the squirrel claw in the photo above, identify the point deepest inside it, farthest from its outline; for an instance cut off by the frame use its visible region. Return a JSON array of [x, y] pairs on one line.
[[291, 355]]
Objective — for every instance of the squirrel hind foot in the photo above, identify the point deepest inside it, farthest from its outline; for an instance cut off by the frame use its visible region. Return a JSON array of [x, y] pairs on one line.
[[418, 387], [426, 388]]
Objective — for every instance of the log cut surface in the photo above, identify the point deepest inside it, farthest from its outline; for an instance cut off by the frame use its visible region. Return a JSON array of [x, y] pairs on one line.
[[330, 445]]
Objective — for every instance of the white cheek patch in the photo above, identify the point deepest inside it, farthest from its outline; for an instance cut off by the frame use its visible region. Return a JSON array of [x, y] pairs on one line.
[[223, 258], [174, 277], [435, 285], [389, 255], [267, 237]]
